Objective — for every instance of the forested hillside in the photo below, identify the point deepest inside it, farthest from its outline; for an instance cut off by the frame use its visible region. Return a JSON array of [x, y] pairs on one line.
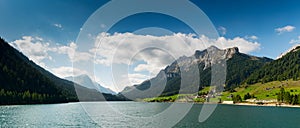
[[286, 67], [24, 82]]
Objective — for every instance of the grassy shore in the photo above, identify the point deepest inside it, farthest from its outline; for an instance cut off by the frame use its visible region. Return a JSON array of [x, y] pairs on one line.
[[267, 105], [265, 94], [265, 91]]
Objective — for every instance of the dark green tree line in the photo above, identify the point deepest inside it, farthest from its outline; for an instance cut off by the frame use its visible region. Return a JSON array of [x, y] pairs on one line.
[[285, 97]]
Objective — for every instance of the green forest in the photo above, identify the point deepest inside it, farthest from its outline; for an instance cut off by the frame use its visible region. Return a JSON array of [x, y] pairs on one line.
[[287, 67]]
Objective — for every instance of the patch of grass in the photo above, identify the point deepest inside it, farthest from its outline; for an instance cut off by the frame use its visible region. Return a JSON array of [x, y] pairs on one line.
[[167, 98], [200, 100], [266, 91], [206, 89]]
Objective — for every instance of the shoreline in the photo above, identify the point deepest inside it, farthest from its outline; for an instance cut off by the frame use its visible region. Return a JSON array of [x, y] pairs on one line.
[[236, 104], [242, 104], [264, 105], [60, 103]]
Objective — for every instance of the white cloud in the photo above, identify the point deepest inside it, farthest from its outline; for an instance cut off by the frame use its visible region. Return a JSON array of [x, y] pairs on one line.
[[293, 41], [222, 30], [159, 51], [244, 45], [58, 26], [63, 72], [34, 48], [69, 49], [137, 78], [251, 37], [124, 81], [148, 67], [73, 55], [284, 29], [141, 67], [38, 50]]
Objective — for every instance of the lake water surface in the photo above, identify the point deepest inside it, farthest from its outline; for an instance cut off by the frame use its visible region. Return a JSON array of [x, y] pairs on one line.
[[100, 114]]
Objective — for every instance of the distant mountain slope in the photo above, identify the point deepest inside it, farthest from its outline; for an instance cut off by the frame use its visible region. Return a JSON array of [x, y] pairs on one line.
[[286, 67], [87, 82], [24, 82], [239, 67]]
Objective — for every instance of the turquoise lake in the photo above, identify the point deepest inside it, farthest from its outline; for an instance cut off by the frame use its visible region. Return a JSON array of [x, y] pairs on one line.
[[133, 114]]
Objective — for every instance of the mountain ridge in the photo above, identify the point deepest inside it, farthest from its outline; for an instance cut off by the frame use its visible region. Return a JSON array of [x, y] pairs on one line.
[[239, 67]]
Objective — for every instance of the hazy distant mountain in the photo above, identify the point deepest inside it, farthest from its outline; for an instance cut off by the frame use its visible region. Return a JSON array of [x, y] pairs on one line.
[[239, 67], [87, 82]]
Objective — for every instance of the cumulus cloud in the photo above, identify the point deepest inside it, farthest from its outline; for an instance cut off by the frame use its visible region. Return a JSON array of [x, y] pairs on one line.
[[34, 48], [284, 29], [73, 55], [294, 41], [63, 71], [69, 49], [222, 30], [142, 67], [38, 50], [137, 78], [158, 51], [129, 80]]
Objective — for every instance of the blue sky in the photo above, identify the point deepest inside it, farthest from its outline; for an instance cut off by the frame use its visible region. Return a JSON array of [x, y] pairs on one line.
[[259, 18], [52, 26], [240, 18]]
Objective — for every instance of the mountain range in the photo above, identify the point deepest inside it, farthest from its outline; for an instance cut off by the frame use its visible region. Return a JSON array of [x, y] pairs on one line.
[[239, 67], [24, 82]]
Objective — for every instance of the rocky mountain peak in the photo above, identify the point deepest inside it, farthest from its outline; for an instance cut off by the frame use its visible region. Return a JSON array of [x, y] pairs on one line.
[[231, 51], [213, 50], [208, 57]]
